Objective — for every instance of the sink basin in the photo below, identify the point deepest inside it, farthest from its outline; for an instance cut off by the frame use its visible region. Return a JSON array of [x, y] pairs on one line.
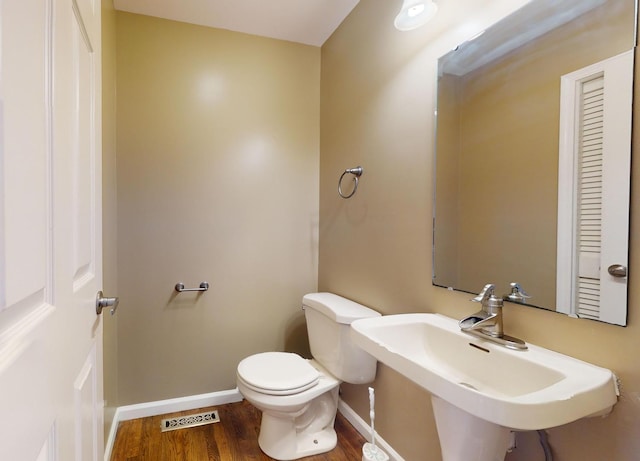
[[523, 390]]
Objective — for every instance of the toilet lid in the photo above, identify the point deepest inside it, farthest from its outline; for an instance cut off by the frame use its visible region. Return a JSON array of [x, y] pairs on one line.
[[277, 373]]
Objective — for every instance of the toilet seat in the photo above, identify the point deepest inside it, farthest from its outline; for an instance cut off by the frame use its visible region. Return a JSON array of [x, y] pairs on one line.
[[277, 373]]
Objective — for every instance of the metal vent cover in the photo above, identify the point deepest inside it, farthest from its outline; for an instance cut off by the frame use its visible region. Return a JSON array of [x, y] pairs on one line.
[[183, 422]]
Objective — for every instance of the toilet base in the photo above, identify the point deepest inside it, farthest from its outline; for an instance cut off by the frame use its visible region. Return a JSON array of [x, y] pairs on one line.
[[293, 446], [310, 432]]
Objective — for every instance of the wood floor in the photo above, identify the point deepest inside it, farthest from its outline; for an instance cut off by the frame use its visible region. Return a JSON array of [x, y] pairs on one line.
[[234, 438]]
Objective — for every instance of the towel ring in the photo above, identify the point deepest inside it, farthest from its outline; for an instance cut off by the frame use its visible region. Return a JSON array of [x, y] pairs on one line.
[[356, 172]]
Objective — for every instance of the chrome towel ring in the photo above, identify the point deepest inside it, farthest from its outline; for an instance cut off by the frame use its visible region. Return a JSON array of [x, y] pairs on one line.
[[356, 172]]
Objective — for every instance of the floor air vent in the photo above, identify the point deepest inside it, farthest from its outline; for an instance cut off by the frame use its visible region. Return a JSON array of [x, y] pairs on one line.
[[182, 422]]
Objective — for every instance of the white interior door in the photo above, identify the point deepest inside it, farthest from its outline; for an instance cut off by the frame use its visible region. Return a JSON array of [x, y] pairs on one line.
[[50, 230]]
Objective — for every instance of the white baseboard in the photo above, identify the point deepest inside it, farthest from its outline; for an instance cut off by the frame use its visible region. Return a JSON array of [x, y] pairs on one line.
[[365, 430], [161, 407]]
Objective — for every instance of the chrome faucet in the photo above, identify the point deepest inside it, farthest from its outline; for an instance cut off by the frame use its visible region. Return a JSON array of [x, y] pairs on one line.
[[489, 319], [487, 322]]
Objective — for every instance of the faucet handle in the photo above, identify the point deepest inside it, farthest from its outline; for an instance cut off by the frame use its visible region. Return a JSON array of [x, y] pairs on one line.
[[517, 295], [486, 293]]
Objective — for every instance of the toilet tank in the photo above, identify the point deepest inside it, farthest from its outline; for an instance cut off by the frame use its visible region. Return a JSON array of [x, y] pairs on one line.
[[329, 318]]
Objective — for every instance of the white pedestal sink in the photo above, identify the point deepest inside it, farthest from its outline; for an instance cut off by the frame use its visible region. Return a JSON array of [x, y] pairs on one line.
[[481, 390]]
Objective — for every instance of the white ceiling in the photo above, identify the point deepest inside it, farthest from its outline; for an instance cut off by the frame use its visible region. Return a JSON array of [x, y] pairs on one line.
[[304, 21]]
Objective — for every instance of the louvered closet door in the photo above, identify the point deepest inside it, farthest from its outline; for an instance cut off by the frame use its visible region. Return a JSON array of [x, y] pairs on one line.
[[593, 189], [590, 162]]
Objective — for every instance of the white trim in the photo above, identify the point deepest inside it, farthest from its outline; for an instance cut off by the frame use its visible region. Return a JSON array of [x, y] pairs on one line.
[[364, 429], [566, 197], [161, 407], [111, 439]]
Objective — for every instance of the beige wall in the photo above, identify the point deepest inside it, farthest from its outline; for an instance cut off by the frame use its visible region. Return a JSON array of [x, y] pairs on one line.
[[378, 88], [109, 207], [218, 169]]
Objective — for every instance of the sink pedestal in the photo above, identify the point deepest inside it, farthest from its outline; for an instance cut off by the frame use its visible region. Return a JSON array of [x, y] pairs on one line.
[[464, 437]]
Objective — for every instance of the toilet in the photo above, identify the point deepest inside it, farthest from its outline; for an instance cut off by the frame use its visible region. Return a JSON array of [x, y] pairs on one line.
[[298, 397]]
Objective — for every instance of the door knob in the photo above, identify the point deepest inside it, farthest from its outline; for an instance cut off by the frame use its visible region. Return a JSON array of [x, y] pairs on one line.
[[102, 302], [617, 270]]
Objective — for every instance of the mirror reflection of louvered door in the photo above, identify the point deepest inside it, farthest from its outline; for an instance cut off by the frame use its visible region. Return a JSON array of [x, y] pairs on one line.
[[589, 197], [593, 190]]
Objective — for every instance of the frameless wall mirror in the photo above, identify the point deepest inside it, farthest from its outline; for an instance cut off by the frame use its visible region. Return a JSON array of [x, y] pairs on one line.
[[533, 129]]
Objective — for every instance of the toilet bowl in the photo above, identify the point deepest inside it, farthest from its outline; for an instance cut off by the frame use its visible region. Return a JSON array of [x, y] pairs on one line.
[[299, 397], [298, 421]]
